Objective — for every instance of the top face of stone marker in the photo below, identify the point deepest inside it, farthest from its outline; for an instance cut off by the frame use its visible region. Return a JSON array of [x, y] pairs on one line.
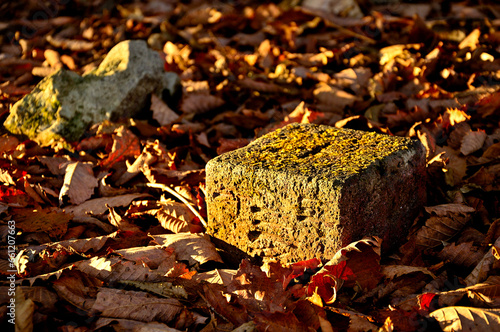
[[317, 151]]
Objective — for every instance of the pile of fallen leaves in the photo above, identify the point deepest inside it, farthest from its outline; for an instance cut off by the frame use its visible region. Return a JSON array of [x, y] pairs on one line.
[[109, 234]]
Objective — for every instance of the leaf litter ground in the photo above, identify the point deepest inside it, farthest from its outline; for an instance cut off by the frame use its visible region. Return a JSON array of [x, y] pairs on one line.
[[109, 230]]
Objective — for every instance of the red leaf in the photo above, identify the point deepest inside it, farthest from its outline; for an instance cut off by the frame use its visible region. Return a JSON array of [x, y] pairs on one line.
[[327, 282], [424, 301], [125, 144]]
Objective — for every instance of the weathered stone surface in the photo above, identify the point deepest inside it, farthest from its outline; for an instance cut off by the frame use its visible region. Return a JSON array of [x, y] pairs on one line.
[[65, 104], [305, 191]]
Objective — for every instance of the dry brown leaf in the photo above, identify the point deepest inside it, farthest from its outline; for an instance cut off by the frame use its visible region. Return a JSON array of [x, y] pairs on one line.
[[125, 145], [200, 103], [445, 221], [194, 248], [260, 86], [483, 268], [235, 314], [78, 289], [485, 294], [152, 256], [48, 221], [25, 309], [174, 216], [68, 61], [161, 112], [98, 205], [121, 223], [472, 142], [134, 305], [79, 183], [44, 299], [362, 262], [217, 276], [332, 99], [465, 254], [153, 152], [486, 177], [394, 271], [467, 319], [82, 246], [8, 143], [132, 325], [256, 291], [70, 44], [56, 165], [112, 269]]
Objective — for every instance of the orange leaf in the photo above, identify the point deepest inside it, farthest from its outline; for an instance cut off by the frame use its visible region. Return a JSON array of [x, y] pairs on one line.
[[125, 144]]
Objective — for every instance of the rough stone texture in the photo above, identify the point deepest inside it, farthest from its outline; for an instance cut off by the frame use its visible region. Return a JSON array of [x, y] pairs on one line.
[[65, 104], [305, 191]]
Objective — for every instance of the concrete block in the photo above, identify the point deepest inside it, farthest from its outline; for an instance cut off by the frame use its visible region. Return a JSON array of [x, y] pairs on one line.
[[306, 190]]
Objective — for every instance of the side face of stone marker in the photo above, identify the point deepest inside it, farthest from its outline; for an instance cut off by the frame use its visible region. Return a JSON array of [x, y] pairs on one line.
[[305, 191]]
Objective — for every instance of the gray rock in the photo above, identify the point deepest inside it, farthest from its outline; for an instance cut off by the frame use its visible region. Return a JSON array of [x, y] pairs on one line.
[[305, 191], [65, 104]]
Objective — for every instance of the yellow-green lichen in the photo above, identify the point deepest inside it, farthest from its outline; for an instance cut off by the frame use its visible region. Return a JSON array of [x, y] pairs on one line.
[[320, 150]]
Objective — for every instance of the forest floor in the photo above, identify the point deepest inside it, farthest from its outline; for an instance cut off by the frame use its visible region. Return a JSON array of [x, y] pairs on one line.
[[107, 233]]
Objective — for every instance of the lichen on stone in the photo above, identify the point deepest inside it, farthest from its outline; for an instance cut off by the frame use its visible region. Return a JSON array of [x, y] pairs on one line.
[[326, 152]]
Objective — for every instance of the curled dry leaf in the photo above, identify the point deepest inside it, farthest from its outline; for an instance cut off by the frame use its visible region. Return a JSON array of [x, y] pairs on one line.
[[444, 222], [472, 142]]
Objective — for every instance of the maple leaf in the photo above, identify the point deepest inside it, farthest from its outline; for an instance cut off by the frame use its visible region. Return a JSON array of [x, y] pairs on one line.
[[125, 144]]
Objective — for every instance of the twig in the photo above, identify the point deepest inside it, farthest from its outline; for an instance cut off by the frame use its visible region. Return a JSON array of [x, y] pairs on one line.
[[182, 199]]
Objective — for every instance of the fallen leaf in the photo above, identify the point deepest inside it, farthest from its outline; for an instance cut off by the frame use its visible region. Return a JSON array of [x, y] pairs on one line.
[[161, 112], [444, 222], [135, 305], [125, 145], [194, 248], [49, 221], [472, 142], [467, 319], [98, 205], [79, 183]]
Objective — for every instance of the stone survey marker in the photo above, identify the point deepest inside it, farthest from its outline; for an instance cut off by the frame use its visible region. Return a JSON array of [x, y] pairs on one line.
[[306, 190]]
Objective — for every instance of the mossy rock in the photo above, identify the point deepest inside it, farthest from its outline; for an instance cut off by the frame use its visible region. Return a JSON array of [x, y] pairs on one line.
[[66, 104], [305, 191]]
